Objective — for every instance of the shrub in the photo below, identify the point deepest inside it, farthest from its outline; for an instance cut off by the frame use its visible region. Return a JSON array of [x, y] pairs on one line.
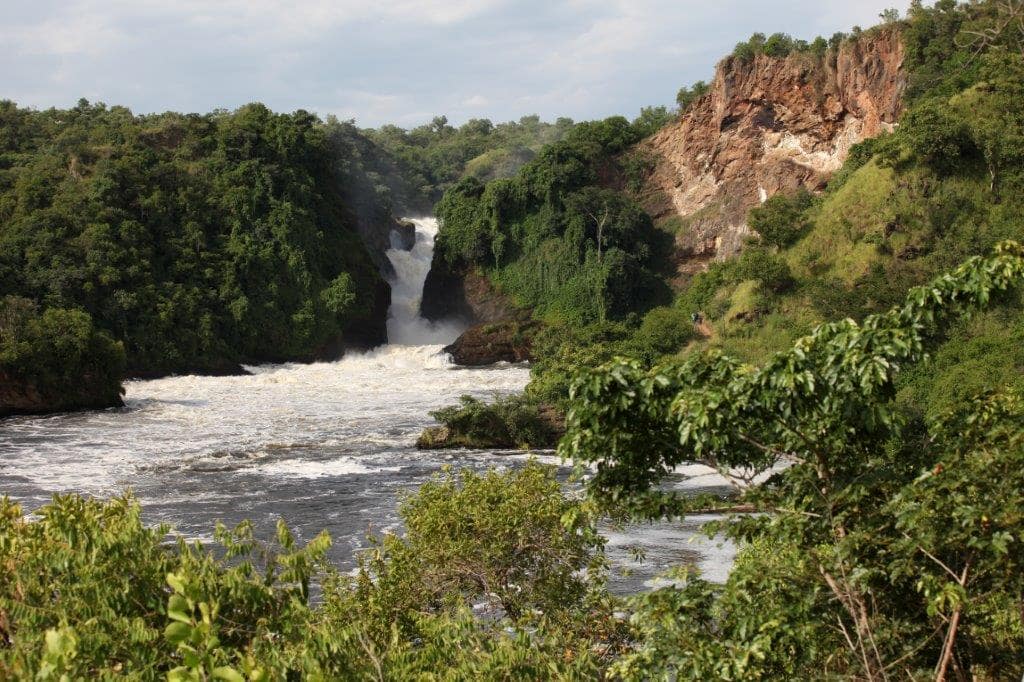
[[769, 269], [663, 331], [514, 421], [687, 96], [938, 136], [781, 220], [510, 539], [652, 119]]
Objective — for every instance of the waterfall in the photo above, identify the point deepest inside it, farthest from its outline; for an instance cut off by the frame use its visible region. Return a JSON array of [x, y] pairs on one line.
[[405, 326]]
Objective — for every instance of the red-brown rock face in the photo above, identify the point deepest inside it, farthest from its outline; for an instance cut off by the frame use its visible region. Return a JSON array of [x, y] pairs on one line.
[[767, 126]]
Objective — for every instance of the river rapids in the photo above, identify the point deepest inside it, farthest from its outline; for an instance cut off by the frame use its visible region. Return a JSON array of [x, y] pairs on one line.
[[325, 445]]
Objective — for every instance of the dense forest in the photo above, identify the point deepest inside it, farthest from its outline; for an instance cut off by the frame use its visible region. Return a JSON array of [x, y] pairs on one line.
[[855, 374], [193, 243]]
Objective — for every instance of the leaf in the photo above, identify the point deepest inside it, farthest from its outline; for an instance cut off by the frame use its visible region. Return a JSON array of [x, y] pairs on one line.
[[176, 583], [226, 673], [177, 632], [178, 609]]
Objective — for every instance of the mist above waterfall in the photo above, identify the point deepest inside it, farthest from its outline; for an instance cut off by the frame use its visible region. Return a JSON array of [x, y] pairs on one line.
[[405, 325]]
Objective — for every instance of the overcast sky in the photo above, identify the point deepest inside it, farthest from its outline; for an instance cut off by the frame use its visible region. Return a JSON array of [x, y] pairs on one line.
[[388, 61]]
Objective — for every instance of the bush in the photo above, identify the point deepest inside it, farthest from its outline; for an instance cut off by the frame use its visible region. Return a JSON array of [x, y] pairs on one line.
[[688, 96], [652, 119], [560, 350], [781, 220], [769, 269], [700, 291], [514, 422], [663, 331], [510, 539], [939, 137]]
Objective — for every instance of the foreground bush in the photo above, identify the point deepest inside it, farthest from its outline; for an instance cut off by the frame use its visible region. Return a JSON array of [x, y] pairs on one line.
[[87, 591], [886, 546]]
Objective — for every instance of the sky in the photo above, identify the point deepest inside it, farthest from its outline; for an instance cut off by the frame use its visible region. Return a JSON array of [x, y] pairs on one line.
[[388, 61]]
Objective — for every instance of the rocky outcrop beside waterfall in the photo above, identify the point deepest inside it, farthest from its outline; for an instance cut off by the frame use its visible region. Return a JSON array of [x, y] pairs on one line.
[[768, 125], [500, 332], [492, 342], [463, 294], [383, 233]]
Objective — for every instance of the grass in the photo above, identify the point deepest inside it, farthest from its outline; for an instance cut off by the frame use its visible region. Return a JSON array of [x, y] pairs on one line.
[[847, 228]]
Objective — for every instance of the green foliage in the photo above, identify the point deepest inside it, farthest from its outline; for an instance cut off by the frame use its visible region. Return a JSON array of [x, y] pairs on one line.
[[939, 137], [89, 592], [687, 96], [512, 421], [512, 540], [780, 220], [663, 331], [768, 621], [196, 241], [420, 164], [561, 350], [652, 119], [770, 271], [984, 352], [553, 237], [776, 45], [901, 543], [889, 16], [59, 356], [699, 295]]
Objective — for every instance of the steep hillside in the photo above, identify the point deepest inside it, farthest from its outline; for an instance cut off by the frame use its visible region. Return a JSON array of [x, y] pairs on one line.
[[767, 125]]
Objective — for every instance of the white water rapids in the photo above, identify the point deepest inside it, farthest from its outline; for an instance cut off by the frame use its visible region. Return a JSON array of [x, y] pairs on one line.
[[324, 445]]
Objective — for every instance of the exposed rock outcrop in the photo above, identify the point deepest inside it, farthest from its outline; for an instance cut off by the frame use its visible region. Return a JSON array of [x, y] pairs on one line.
[[462, 295], [21, 396], [491, 342], [768, 125], [500, 332], [383, 233]]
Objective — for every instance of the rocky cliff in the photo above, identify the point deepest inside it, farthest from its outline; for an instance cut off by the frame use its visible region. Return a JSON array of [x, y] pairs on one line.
[[499, 333], [462, 294], [767, 125], [19, 395]]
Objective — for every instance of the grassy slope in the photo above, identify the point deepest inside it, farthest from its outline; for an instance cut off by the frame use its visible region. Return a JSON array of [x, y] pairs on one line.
[[870, 239]]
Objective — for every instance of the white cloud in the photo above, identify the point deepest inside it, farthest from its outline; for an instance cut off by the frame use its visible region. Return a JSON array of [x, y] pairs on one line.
[[475, 102], [375, 60]]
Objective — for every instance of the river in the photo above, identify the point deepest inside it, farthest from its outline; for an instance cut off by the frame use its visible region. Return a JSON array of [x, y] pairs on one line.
[[323, 445]]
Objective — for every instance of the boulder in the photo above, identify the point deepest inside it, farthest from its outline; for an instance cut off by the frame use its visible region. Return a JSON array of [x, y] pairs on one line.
[[493, 342]]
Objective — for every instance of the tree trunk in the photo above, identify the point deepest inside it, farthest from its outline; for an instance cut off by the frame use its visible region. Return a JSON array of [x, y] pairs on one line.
[[947, 647]]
